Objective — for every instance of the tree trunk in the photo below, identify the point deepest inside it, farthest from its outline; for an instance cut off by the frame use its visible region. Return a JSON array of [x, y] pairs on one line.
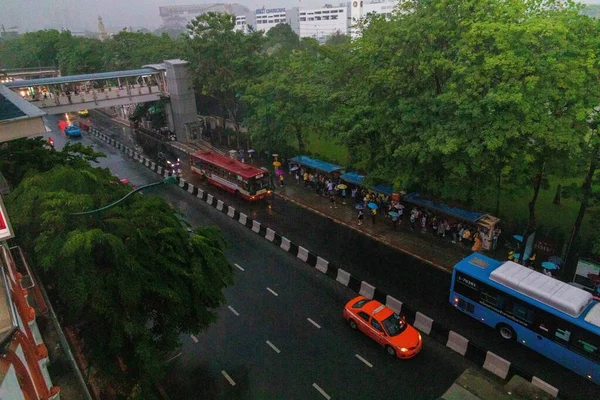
[[498, 191], [531, 223], [586, 188], [300, 139]]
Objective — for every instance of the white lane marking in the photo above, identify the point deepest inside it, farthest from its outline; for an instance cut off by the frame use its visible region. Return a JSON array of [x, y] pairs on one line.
[[231, 382], [272, 291], [273, 347], [194, 338], [368, 364], [174, 357], [237, 314], [314, 323], [321, 391], [240, 268]]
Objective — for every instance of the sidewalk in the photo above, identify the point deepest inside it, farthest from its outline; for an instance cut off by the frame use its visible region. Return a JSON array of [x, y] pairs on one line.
[[427, 247]]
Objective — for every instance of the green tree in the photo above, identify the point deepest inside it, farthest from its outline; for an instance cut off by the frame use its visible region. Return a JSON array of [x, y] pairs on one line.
[[131, 50], [78, 55], [32, 49], [281, 38], [223, 61], [30, 156], [130, 279]]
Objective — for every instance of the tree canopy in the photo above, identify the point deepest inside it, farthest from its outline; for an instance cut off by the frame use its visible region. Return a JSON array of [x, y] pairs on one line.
[[130, 279]]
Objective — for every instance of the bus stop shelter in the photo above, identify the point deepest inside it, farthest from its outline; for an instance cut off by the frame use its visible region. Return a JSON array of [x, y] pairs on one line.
[[318, 165]]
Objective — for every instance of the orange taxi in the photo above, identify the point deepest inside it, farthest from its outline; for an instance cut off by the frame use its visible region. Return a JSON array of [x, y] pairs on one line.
[[384, 326]]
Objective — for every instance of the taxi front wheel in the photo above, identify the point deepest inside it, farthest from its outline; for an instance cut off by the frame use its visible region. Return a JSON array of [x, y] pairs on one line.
[[390, 350]]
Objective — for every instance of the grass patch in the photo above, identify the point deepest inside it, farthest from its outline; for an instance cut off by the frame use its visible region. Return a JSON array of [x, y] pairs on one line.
[[553, 221], [325, 149]]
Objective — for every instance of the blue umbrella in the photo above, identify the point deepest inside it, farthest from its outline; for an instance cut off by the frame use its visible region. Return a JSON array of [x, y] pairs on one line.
[[556, 260], [393, 214], [549, 265], [360, 206], [373, 206], [518, 238]]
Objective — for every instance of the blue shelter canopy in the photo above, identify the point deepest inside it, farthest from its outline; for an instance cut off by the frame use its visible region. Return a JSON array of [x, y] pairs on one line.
[[352, 177], [466, 215], [385, 189], [317, 164]]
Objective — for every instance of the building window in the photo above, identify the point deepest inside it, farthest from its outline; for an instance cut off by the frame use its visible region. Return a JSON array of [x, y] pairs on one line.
[[334, 17], [302, 18], [326, 12], [325, 17], [311, 19], [302, 13], [317, 12], [317, 18]]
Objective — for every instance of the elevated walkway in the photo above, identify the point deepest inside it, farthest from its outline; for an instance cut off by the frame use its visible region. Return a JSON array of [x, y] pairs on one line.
[[63, 94]]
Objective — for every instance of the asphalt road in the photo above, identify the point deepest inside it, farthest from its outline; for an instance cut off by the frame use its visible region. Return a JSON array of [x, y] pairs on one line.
[[421, 286], [265, 342]]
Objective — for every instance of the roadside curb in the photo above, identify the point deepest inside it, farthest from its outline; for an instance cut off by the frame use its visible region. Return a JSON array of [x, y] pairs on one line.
[[453, 340]]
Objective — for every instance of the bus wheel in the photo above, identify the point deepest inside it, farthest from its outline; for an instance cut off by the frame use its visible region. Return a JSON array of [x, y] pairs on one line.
[[506, 332]]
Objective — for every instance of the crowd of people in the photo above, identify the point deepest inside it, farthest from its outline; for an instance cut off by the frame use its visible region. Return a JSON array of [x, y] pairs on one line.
[[369, 203]]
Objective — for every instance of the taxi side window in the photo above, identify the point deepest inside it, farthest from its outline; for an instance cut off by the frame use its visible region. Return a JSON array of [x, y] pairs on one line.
[[364, 315], [376, 325]]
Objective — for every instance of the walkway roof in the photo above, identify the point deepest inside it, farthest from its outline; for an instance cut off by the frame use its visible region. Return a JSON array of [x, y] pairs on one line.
[[317, 164], [81, 78], [459, 213], [352, 177]]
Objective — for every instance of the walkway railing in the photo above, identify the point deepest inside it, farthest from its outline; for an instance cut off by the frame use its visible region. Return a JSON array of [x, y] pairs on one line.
[[93, 96]]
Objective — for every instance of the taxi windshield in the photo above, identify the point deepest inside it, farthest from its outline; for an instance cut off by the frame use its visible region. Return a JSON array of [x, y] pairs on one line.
[[394, 325]]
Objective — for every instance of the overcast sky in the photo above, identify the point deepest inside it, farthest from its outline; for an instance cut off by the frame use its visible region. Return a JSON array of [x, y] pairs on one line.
[[76, 15]]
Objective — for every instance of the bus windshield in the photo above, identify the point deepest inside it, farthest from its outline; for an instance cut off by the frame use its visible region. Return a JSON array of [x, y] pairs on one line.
[[256, 184]]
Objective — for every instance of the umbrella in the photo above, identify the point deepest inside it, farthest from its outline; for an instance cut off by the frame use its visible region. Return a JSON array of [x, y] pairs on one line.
[[398, 206], [373, 206], [556, 260], [294, 168], [276, 163], [549, 265], [393, 214], [341, 186], [251, 151], [360, 206], [275, 155], [518, 238], [279, 172]]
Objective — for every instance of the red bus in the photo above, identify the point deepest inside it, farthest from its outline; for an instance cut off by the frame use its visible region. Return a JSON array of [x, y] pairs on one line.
[[246, 181]]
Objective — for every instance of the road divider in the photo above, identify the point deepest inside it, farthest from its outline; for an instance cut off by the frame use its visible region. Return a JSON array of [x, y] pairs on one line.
[[427, 325], [271, 345], [314, 323], [226, 375]]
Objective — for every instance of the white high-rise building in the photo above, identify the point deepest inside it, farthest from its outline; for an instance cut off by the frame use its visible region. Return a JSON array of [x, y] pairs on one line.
[[321, 23]]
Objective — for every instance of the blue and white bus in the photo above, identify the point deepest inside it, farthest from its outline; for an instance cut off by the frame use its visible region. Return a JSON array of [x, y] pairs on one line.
[[555, 319]]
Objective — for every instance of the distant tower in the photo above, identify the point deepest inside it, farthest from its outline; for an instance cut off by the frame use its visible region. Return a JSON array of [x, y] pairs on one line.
[[356, 15], [101, 31]]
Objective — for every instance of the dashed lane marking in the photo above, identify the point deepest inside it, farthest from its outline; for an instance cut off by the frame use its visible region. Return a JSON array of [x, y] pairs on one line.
[[272, 291], [237, 314], [194, 338], [231, 381], [273, 347], [328, 397], [368, 364], [314, 323], [240, 268]]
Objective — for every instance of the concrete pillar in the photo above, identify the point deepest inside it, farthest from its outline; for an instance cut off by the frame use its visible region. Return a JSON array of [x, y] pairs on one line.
[[183, 100]]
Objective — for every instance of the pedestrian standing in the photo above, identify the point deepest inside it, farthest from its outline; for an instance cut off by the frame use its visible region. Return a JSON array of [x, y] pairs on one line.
[[373, 214], [413, 219], [394, 221], [343, 196], [353, 193], [297, 177], [281, 179], [332, 201], [305, 179], [424, 223], [361, 215]]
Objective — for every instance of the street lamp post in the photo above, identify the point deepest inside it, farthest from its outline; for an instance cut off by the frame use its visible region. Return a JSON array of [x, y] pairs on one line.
[[167, 180]]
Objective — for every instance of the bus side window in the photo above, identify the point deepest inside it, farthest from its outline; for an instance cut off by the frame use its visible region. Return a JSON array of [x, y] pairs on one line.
[[586, 343], [521, 311], [562, 334]]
